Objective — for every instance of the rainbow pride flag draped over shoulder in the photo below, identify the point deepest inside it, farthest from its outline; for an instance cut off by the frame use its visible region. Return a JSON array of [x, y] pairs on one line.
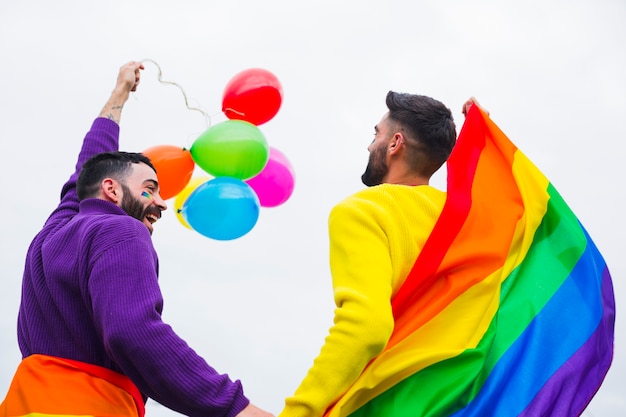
[[508, 310]]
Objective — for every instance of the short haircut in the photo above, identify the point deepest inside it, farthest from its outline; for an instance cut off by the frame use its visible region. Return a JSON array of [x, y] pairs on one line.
[[116, 165], [428, 122]]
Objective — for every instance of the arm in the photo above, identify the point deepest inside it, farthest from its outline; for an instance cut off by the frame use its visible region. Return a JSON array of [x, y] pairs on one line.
[[361, 271], [102, 137], [127, 81], [104, 134], [126, 302]]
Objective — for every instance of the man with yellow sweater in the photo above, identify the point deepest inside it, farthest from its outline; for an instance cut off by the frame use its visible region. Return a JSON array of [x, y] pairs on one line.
[[375, 237]]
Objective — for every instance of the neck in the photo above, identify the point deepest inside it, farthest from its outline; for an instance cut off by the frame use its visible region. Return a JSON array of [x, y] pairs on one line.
[[412, 180]]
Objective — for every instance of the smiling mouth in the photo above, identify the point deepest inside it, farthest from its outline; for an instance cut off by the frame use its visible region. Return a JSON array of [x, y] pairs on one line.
[[152, 218]]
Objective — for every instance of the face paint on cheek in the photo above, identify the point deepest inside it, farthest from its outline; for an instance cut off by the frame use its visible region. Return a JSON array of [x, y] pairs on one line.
[[147, 195]]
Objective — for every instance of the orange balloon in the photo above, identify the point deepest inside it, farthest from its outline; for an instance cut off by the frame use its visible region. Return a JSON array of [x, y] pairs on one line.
[[174, 166]]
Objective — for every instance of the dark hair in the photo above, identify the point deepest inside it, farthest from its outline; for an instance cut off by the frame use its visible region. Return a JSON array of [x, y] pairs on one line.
[[429, 123], [114, 165]]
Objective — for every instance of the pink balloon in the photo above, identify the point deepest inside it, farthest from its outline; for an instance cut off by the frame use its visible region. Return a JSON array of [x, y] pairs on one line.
[[274, 184]]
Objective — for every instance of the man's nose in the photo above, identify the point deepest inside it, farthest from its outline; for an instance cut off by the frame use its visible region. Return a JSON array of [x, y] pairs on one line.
[[160, 203]]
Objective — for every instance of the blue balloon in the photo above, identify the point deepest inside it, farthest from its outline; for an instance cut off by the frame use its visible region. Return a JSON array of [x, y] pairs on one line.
[[223, 208]]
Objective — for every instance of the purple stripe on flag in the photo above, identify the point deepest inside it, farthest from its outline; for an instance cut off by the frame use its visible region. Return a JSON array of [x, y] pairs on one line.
[[549, 401]]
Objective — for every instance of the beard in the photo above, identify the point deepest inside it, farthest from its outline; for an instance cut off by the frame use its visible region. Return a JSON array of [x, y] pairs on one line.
[[134, 207], [376, 168]]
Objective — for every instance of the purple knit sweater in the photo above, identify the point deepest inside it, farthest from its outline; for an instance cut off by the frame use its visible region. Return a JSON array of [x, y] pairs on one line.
[[90, 293]]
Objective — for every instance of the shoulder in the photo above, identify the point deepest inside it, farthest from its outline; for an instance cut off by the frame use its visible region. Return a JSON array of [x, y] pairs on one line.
[[106, 231], [386, 208], [123, 241], [101, 216], [386, 197]]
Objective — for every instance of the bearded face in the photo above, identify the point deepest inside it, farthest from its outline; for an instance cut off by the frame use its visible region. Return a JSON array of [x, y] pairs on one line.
[[376, 168], [141, 209]]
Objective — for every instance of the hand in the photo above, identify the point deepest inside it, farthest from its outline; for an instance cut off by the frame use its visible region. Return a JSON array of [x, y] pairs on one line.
[[469, 103], [129, 75], [253, 411]]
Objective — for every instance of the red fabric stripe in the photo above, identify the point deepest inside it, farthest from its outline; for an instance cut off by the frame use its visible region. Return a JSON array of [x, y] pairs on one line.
[[114, 378], [464, 159]]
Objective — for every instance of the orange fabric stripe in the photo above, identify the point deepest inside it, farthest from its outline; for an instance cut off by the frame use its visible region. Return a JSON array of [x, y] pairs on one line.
[[49, 385]]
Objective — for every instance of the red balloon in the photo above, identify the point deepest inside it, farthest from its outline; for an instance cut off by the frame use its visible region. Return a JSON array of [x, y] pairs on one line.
[[253, 95], [174, 167]]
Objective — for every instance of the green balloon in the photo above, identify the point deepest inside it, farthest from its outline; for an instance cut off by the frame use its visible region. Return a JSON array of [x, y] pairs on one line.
[[234, 148]]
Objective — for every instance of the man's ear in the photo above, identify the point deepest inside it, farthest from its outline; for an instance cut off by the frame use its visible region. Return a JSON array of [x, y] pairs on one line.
[[395, 143], [110, 190]]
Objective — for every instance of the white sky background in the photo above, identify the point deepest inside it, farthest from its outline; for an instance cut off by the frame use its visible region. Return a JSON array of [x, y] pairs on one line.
[[553, 75]]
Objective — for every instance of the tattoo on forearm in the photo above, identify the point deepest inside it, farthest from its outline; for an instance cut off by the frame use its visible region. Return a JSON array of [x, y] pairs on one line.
[[113, 110]]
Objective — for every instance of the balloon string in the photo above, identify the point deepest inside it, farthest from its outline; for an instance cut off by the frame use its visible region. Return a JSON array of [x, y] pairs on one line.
[[160, 78], [234, 111]]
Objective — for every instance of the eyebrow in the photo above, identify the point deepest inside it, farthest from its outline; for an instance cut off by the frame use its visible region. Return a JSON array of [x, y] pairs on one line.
[[153, 182]]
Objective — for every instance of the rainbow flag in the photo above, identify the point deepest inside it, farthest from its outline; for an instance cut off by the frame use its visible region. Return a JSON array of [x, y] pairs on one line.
[[48, 386], [509, 309]]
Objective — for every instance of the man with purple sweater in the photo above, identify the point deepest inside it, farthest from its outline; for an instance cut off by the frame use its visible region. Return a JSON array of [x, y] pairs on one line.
[[89, 326]]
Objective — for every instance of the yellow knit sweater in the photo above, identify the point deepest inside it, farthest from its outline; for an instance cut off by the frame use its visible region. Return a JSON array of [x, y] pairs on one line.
[[375, 237]]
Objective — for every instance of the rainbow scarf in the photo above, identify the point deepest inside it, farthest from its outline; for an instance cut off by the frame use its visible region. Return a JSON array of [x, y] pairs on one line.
[[509, 309], [47, 386]]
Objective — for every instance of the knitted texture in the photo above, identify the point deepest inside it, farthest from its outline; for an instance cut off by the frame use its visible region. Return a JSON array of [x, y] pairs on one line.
[[375, 237], [90, 293]]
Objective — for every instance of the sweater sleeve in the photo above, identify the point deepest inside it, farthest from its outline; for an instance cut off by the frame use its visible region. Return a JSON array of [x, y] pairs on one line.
[[361, 269], [103, 136], [127, 304]]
